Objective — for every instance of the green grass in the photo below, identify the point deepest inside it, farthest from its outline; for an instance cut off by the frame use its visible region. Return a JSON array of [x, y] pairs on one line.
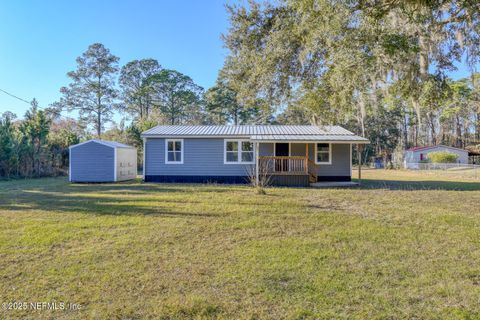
[[404, 245]]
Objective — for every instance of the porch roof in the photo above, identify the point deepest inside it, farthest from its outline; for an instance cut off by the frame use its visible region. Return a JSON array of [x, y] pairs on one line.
[[309, 138]]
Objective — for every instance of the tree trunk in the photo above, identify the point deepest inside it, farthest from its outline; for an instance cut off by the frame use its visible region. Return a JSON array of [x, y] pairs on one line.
[[416, 107], [99, 125], [405, 130]]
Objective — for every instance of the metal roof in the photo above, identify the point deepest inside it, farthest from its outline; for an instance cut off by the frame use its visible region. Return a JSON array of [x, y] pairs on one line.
[[246, 131], [414, 149], [259, 132], [112, 144]]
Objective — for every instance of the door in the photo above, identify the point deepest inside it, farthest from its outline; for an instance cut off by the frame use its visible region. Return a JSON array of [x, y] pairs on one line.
[[282, 150]]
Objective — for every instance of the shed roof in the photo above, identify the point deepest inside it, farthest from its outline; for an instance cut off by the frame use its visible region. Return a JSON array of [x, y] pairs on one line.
[[259, 132], [112, 144]]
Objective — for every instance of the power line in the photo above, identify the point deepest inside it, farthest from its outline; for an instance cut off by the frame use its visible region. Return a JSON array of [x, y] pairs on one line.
[[14, 96]]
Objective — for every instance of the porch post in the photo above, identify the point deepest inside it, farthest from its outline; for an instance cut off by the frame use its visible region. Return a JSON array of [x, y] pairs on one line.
[[359, 156], [256, 164], [306, 158]]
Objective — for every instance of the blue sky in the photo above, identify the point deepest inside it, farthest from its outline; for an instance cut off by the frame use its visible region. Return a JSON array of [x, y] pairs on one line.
[[41, 39]]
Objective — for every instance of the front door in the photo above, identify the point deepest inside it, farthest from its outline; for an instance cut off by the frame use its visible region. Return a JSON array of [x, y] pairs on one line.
[[282, 150]]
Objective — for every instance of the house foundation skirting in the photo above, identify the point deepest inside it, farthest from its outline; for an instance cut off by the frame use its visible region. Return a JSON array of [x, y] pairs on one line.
[[197, 179], [275, 180], [334, 178]]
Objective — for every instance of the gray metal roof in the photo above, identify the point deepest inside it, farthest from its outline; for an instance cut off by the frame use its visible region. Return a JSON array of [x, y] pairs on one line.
[[112, 144], [244, 130], [258, 133]]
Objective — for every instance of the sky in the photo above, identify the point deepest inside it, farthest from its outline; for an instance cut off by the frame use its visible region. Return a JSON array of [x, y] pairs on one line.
[[40, 41]]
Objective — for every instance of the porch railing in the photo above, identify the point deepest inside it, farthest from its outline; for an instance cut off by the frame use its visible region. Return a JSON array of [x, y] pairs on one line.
[[284, 165]]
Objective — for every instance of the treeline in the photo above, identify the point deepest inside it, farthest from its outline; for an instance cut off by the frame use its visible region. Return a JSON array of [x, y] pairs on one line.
[[35, 146]]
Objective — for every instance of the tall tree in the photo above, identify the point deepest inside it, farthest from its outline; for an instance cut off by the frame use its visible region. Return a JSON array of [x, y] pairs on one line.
[[136, 90], [222, 106], [92, 91], [7, 144], [34, 129], [177, 97]]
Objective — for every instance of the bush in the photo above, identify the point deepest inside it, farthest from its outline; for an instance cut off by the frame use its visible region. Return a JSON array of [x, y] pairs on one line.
[[442, 157]]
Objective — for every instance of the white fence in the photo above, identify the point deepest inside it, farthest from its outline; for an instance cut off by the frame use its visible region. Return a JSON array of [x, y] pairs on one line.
[[458, 169]]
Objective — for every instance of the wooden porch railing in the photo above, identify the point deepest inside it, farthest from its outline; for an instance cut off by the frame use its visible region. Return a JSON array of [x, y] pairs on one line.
[[283, 165]]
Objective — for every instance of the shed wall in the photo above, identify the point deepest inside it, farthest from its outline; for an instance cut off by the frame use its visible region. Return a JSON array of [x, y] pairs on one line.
[[92, 162]]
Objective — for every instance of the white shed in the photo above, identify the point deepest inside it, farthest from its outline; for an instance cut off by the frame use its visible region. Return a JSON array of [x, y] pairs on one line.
[[414, 156], [102, 161]]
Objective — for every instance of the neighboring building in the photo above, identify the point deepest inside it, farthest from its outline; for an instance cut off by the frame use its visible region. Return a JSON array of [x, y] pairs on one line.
[[289, 155], [102, 161], [414, 156]]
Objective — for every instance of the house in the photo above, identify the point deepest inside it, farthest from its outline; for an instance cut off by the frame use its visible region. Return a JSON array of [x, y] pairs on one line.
[[102, 161], [412, 157], [289, 154]]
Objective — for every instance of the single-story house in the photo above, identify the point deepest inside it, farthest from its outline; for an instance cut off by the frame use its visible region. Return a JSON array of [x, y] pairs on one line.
[[413, 156], [294, 155], [102, 161]]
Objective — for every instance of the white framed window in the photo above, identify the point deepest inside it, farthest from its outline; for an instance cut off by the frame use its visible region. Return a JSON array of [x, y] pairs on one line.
[[174, 151], [323, 153], [239, 151]]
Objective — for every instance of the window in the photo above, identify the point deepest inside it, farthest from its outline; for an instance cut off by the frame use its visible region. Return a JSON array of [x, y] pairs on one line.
[[174, 151], [323, 153], [238, 151]]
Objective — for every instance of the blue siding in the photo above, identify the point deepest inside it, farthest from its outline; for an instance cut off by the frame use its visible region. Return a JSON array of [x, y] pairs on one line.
[[340, 166], [202, 157], [92, 162]]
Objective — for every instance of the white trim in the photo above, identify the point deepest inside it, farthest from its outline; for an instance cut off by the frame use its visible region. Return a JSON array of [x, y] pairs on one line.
[[239, 151], [329, 153], [181, 151], [69, 165], [144, 163], [115, 164]]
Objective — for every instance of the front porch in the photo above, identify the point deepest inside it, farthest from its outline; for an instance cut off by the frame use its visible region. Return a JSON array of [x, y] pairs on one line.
[[306, 163]]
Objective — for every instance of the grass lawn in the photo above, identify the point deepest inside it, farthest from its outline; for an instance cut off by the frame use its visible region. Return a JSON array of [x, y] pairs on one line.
[[404, 245]]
